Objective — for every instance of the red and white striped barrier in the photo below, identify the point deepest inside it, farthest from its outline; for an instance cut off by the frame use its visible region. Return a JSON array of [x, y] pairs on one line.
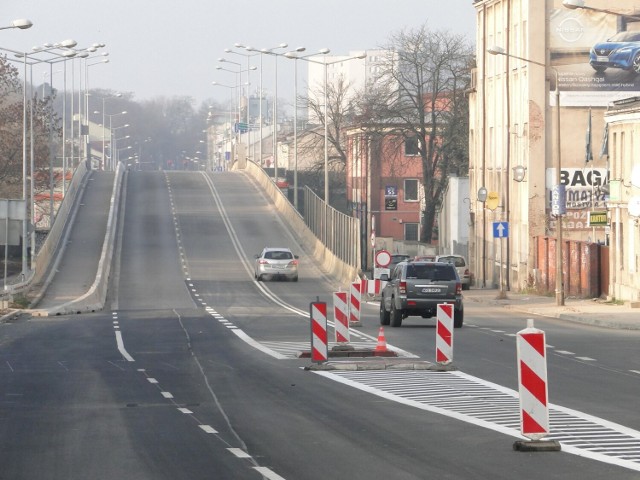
[[341, 316], [319, 340], [372, 287], [444, 333], [355, 300], [532, 382]]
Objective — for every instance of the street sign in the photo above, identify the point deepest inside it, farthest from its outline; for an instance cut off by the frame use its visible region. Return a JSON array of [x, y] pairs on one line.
[[383, 258], [500, 229], [493, 200], [558, 200]]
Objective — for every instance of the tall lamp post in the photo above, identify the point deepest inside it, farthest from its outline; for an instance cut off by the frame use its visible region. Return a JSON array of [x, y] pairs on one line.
[[20, 23], [326, 111], [558, 193], [104, 127]]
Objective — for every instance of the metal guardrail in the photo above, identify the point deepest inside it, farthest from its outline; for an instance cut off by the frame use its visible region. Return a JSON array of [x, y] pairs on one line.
[[340, 233]]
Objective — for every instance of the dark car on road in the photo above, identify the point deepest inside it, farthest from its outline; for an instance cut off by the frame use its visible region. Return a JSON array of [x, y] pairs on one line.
[[620, 51], [416, 289]]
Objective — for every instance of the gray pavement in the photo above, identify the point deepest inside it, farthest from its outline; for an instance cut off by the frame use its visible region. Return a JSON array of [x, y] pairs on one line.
[[596, 312]]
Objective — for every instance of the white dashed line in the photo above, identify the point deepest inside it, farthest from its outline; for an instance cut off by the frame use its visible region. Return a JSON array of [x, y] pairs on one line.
[[208, 428], [267, 473], [167, 394], [238, 452], [184, 410], [564, 352], [152, 380], [635, 371], [586, 359]]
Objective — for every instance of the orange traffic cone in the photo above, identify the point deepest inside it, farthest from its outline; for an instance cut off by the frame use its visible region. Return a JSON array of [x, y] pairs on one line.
[[382, 342]]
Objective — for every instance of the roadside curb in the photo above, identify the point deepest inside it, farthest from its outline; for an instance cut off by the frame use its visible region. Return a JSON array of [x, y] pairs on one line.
[[7, 317]]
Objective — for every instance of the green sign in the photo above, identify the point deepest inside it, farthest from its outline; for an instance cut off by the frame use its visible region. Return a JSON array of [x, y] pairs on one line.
[[598, 219]]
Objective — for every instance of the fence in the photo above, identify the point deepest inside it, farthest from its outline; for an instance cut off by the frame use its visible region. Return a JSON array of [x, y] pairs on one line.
[[340, 233]]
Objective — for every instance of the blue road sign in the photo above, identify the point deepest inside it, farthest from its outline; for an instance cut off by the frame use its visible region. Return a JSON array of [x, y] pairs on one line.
[[500, 229]]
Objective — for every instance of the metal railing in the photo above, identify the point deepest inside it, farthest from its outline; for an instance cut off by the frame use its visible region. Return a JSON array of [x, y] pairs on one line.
[[340, 233]]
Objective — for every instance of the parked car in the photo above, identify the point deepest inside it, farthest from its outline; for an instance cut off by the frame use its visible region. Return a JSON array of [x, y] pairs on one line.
[[276, 262], [462, 267], [396, 258], [416, 288], [620, 51], [424, 258]]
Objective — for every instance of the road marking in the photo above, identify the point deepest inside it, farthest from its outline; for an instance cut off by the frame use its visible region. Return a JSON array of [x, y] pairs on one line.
[[564, 352], [250, 341], [635, 371], [268, 473], [485, 404], [167, 394], [586, 359], [185, 410], [152, 380], [238, 452], [208, 429], [121, 348]]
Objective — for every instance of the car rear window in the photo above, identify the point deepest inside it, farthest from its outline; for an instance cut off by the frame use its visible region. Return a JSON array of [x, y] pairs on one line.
[[457, 261], [431, 272], [278, 255]]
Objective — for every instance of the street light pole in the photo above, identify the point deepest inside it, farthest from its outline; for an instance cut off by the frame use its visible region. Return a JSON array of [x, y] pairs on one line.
[[558, 187]]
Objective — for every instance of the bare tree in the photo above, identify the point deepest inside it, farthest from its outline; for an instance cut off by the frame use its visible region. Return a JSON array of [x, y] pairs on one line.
[[419, 97]]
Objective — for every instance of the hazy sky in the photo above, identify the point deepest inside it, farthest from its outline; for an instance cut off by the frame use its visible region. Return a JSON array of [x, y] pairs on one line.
[[167, 48]]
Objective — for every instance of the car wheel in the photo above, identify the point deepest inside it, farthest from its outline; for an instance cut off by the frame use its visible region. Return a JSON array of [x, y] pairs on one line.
[[396, 315], [458, 318], [636, 64], [385, 317], [294, 279], [259, 278]]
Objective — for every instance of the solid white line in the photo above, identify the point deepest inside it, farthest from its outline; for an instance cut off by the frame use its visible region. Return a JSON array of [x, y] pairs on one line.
[[267, 473], [208, 428], [238, 452], [121, 348], [250, 341]]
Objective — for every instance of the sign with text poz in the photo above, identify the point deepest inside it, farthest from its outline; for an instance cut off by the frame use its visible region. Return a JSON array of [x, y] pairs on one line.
[[500, 229]]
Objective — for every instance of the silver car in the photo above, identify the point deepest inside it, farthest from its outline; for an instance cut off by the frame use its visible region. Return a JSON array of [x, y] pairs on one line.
[[276, 262]]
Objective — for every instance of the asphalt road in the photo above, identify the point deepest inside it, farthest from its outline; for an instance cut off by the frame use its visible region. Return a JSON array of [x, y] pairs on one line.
[[191, 371]]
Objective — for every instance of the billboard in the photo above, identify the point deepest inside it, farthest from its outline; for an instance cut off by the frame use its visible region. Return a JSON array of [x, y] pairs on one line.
[[596, 55]]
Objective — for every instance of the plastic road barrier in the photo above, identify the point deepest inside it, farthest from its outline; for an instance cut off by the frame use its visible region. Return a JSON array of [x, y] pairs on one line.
[[341, 316], [532, 382], [319, 340], [355, 298], [444, 333]]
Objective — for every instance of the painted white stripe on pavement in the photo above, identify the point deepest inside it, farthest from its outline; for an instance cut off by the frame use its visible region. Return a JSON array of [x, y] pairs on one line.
[[238, 452], [250, 341], [167, 394], [208, 428], [121, 348], [184, 410], [267, 473]]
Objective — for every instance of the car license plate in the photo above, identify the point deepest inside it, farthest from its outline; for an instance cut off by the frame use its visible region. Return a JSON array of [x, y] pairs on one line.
[[431, 290], [602, 59]]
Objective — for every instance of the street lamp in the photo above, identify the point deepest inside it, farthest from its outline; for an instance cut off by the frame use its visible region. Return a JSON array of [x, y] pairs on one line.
[[558, 192], [326, 120], [292, 54], [266, 51], [21, 23], [104, 126]]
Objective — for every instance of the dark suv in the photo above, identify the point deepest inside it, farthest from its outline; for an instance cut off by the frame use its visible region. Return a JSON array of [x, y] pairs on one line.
[[416, 288]]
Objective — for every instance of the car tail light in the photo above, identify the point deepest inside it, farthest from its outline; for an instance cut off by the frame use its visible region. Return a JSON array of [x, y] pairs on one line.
[[458, 288], [293, 263], [262, 261], [402, 287]]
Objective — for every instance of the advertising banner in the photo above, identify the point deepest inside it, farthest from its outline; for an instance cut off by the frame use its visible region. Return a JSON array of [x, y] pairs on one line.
[[596, 55]]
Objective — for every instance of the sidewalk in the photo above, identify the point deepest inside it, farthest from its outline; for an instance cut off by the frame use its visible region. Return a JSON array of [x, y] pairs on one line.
[[591, 312]]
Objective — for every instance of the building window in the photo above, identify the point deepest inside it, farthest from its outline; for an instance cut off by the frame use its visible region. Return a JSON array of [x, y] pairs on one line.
[[411, 232], [411, 146], [411, 190]]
